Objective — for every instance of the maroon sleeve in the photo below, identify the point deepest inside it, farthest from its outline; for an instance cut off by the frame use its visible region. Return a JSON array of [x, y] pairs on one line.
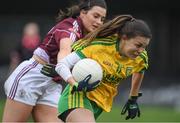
[[65, 30]]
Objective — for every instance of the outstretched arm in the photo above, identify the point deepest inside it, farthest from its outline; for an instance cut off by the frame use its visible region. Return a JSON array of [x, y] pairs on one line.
[[136, 83], [131, 106]]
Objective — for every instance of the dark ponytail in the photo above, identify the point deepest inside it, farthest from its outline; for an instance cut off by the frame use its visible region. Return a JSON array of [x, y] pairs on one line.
[[74, 10], [107, 29], [121, 25]]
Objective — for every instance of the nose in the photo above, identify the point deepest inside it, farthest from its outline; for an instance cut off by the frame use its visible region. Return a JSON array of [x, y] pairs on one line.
[[99, 21]]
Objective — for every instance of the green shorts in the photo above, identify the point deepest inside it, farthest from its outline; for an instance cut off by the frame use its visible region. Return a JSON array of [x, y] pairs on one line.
[[77, 100]]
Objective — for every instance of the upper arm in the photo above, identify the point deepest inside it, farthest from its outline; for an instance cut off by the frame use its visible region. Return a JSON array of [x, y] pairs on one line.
[[64, 48], [65, 36]]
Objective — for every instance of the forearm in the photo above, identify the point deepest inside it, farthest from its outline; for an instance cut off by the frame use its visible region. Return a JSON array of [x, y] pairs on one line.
[[136, 83], [63, 68]]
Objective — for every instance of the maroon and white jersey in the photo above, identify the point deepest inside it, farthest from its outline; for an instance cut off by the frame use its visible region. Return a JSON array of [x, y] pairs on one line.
[[68, 28]]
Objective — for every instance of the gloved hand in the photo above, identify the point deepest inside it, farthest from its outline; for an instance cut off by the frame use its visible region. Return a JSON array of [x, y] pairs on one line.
[[84, 85], [49, 70], [131, 107]]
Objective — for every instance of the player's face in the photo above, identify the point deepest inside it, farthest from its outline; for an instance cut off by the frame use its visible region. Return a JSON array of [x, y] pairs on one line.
[[93, 18], [133, 47]]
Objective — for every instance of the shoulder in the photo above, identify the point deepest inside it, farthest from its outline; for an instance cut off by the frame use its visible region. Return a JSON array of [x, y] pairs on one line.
[[144, 56], [96, 44], [108, 41], [70, 24], [64, 23], [70, 21]]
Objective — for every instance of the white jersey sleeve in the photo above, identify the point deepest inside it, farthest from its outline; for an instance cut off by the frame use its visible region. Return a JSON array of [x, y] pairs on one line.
[[63, 68]]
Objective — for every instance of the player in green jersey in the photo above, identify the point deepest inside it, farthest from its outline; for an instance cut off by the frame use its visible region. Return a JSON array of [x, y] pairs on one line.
[[119, 47]]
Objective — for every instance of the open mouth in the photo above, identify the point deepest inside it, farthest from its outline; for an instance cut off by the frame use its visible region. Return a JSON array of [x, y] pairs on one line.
[[135, 55], [95, 27]]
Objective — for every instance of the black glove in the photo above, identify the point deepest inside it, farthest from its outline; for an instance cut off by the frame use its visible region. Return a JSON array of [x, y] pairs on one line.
[[49, 70], [131, 107], [84, 85]]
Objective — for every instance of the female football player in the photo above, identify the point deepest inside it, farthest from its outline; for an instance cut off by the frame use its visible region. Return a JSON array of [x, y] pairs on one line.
[[119, 47], [28, 91]]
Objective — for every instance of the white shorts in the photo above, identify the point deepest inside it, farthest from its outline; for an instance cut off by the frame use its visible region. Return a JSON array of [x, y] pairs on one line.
[[27, 85]]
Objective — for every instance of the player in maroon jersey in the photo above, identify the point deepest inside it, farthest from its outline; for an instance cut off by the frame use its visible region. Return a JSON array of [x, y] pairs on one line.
[[28, 91]]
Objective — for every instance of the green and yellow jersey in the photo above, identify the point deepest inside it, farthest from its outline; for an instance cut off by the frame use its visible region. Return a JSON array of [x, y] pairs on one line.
[[115, 68]]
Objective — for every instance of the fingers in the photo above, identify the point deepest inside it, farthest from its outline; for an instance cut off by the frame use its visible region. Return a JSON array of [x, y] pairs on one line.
[[88, 77], [91, 87], [131, 115], [132, 112], [127, 117], [45, 68], [45, 72], [49, 65], [94, 85], [124, 110]]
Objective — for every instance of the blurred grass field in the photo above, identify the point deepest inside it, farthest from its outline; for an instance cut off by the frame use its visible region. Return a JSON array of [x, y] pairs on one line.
[[148, 114], [2, 103]]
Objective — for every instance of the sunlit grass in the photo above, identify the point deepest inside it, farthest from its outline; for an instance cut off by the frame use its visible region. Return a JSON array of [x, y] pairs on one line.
[[148, 114]]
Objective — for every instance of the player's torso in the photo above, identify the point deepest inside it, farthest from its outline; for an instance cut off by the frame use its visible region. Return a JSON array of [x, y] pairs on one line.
[[115, 68]]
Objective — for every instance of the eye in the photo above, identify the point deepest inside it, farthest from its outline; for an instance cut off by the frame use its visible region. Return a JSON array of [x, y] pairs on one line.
[[138, 45], [96, 16]]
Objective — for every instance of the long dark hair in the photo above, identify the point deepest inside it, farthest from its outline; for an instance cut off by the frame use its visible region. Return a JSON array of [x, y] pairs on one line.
[[74, 10], [120, 25]]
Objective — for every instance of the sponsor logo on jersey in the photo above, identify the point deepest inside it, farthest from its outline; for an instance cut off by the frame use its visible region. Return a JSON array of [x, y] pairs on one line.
[[107, 63]]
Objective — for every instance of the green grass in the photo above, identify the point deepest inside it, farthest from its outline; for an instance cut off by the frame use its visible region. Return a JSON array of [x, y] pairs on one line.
[[148, 114], [2, 103]]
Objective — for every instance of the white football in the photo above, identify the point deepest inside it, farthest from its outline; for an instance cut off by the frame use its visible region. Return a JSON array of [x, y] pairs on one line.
[[85, 67]]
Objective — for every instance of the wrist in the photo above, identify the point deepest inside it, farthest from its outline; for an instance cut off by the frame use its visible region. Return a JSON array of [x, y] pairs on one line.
[[71, 81], [133, 98]]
